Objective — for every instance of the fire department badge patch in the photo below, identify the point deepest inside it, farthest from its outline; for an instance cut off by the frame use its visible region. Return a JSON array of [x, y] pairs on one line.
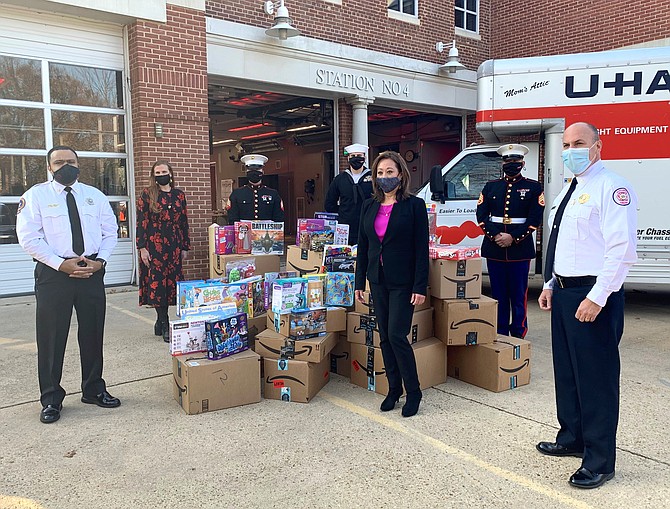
[[540, 199], [621, 196], [481, 199]]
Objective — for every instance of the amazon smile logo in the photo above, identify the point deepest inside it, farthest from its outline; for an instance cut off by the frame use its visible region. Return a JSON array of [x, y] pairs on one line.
[[272, 380], [307, 349], [456, 325], [302, 272], [461, 281], [368, 372], [344, 355], [516, 370]]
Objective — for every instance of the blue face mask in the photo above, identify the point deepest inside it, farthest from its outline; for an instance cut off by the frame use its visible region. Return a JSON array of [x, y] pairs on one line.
[[388, 184], [577, 160]]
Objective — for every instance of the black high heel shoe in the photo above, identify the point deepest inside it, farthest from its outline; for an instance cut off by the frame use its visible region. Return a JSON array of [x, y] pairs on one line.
[[389, 402], [411, 406]]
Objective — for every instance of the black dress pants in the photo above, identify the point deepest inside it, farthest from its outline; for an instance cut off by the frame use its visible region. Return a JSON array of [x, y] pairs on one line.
[[586, 373], [56, 294], [394, 319]]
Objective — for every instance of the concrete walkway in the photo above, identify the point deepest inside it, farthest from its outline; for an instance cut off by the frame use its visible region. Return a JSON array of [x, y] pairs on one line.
[[467, 448]]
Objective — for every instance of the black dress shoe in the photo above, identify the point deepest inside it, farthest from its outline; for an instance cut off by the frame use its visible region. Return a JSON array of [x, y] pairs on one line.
[[104, 400], [166, 333], [411, 406], [50, 413], [585, 479], [158, 327], [389, 402], [556, 449]]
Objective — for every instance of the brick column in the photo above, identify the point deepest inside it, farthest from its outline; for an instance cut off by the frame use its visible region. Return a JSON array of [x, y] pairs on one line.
[[168, 74], [346, 124]]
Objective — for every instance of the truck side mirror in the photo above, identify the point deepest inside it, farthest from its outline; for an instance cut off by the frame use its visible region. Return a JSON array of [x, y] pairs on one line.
[[436, 184]]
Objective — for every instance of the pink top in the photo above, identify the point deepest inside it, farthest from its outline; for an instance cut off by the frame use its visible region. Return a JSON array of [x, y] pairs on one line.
[[382, 220]]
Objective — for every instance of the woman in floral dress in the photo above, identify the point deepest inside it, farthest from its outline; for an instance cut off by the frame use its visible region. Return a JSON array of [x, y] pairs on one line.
[[162, 241]]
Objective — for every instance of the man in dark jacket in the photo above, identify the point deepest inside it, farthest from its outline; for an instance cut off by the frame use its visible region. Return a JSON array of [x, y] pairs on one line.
[[350, 189], [509, 210], [255, 201]]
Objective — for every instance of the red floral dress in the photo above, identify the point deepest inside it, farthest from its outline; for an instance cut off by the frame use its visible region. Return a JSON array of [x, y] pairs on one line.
[[165, 235]]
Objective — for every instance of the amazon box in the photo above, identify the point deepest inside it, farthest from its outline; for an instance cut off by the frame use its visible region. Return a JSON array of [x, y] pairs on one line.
[[340, 357], [369, 307], [367, 365], [363, 329], [271, 345], [336, 321], [466, 321], [498, 366], [256, 325], [264, 263], [201, 385], [292, 380], [456, 279], [303, 261]]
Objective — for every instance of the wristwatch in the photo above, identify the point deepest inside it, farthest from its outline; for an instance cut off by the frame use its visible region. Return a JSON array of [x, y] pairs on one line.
[[103, 261]]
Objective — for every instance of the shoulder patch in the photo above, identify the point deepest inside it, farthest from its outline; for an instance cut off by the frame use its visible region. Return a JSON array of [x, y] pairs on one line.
[[481, 199], [22, 203], [367, 178], [621, 196], [540, 199], [228, 204]]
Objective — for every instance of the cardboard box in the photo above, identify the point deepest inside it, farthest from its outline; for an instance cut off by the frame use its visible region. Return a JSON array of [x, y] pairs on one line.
[[466, 321], [264, 263], [368, 307], [303, 261], [456, 279], [360, 327], [336, 321], [340, 357], [271, 345], [367, 365], [256, 325], [501, 365], [201, 385], [291, 380]]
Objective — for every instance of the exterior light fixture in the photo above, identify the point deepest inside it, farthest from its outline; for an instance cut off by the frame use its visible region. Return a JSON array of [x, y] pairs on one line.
[[453, 62], [282, 27]]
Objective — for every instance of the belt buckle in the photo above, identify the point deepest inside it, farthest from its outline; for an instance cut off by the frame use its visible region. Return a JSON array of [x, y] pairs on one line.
[[559, 280], [507, 220]]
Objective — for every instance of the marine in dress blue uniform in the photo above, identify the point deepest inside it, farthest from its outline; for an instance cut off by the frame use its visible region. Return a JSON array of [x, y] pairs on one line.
[[595, 247], [255, 201], [509, 210]]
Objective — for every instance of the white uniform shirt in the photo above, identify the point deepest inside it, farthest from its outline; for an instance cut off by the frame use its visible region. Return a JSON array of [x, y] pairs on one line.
[[598, 232], [43, 223]]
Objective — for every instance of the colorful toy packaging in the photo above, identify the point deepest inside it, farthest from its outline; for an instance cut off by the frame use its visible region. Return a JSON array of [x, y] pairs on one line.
[[339, 259], [267, 237], [200, 297], [240, 269], [307, 323], [224, 239], [315, 290], [444, 252], [188, 335], [271, 277], [308, 225], [243, 237], [316, 240], [226, 336], [331, 216], [289, 294], [341, 234], [339, 289], [256, 296]]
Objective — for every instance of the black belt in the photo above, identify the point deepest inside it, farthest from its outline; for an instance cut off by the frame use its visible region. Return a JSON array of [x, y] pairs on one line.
[[571, 282], [93, 256]]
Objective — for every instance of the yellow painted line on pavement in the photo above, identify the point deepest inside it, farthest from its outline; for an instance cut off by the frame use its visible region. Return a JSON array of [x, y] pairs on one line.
[[130, 313], [8, 341], [458, 453], [7, 502]]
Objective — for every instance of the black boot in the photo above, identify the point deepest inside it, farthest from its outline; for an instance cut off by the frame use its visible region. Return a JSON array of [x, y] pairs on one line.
[[158, 326], [411, 406], [389, 402], [164, 323]]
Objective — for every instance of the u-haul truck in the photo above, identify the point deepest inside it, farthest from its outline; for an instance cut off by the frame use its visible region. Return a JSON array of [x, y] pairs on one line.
[[624, 93]]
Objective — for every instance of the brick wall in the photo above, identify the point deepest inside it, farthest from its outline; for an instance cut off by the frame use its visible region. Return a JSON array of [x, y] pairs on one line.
[[345, 131], [365, 24], [558, 27], [168, 74]]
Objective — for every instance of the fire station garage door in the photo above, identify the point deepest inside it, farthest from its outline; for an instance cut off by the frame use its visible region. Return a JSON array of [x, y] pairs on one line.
[[61, 83]]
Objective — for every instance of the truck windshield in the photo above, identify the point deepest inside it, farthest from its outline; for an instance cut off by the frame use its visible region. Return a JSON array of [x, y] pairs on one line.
[[466, 179]]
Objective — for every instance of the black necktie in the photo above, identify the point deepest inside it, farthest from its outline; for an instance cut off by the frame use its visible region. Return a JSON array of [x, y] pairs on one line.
[[551, 248], [75, 223]]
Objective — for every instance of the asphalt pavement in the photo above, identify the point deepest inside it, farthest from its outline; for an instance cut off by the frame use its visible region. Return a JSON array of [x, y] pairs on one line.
[[467, 447]]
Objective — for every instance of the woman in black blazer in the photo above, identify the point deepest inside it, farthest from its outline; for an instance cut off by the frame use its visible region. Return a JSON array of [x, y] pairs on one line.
[[393, 255]]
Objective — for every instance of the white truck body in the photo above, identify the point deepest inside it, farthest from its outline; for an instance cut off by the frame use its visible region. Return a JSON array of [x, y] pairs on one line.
[[624, 93]]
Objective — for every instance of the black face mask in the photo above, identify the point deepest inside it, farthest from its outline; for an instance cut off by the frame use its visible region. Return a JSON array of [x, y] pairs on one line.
[[163, 180], [255, 176], [512, 168], [357, 162], [66, 175]]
